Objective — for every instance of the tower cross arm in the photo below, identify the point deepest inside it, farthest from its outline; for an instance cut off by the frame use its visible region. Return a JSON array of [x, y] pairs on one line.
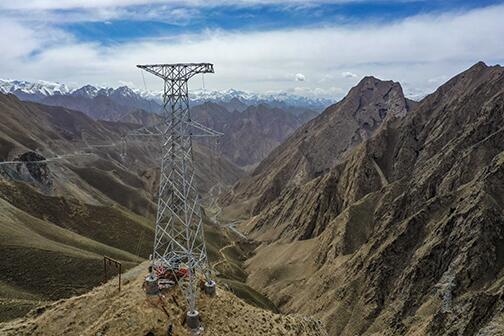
[[177, 71]]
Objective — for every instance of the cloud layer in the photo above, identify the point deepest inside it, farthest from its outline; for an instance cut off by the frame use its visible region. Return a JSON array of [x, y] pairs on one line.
[[417, 51]]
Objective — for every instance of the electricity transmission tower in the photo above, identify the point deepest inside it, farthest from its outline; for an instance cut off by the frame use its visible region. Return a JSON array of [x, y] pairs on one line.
[[179, 245]]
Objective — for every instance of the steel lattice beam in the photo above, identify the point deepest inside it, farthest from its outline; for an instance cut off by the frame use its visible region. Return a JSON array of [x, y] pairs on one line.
[[179, 241]]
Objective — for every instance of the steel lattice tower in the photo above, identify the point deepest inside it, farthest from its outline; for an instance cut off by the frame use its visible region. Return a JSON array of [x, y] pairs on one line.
[[179, 241]]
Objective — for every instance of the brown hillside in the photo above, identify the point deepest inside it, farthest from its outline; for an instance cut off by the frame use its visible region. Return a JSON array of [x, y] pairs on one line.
[[404, 236]]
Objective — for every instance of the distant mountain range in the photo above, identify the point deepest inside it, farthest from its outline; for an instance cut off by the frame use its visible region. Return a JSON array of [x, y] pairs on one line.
[[254, 124], [49, 92]]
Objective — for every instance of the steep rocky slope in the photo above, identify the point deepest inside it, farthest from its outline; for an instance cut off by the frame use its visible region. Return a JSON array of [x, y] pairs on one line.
[[105, 311], [404, 235], [255, 132], [323, 142]]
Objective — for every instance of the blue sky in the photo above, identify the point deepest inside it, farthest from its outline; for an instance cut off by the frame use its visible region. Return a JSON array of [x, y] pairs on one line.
[[317, 47], [142, 21]]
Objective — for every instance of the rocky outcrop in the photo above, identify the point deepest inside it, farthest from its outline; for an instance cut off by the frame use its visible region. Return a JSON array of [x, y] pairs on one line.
[[36, 166]]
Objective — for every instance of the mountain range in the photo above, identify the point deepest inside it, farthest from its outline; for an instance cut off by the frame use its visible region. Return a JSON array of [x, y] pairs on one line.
[[48, 92], [385, 217]]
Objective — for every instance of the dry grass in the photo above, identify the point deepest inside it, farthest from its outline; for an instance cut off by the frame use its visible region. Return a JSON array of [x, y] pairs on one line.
[[107, 312]]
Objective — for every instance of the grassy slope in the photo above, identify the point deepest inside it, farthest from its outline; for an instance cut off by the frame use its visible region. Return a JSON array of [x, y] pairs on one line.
[[105, 311], [46, 254]]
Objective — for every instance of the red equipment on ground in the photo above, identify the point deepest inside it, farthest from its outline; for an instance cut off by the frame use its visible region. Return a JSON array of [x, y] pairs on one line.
[[170, 274]]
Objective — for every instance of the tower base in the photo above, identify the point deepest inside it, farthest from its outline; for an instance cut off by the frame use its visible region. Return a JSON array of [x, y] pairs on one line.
[[151, 285], [210, 288], [193, 320]]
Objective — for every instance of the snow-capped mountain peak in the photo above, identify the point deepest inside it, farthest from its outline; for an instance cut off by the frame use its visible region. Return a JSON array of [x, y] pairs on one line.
[[39, 88]]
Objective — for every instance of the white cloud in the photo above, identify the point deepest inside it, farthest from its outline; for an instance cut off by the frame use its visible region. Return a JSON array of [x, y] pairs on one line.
[[348, 74], [300, 77], [158, 13], [11, 51], [413, 51]]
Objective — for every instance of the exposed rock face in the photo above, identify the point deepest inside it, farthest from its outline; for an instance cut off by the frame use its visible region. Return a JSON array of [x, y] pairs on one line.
[[323, 142], [31, 168], [405, 234], [37, 168]]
